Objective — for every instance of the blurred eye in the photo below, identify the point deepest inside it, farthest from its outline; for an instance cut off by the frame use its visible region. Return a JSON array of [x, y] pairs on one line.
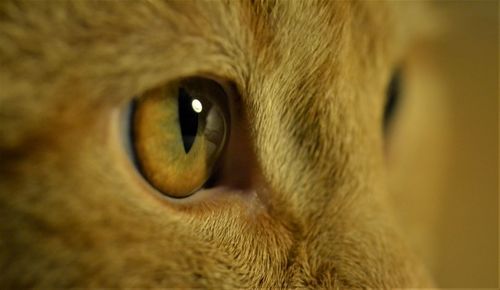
[[178, 134], [393, 98]]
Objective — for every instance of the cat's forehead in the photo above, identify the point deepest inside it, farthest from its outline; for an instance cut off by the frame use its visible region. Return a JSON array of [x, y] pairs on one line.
[[152, 41], [100, 51]]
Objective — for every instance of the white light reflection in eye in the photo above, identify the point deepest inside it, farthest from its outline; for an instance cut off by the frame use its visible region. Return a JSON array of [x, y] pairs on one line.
[[197, 106]]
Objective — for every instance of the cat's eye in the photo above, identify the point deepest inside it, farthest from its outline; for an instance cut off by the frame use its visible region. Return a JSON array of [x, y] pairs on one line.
[[392, 98], [178, 134]]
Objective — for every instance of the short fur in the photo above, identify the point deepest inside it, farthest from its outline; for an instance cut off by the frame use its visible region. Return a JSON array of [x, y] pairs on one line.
[[310, 79]]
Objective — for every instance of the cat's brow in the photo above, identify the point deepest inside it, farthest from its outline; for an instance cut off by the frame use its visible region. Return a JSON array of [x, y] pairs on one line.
[[78, 53]]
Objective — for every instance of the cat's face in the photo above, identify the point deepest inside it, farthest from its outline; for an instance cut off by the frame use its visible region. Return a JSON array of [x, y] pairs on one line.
[[299, 198]]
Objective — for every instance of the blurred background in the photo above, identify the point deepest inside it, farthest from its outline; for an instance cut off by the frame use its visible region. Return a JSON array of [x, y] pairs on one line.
[[444, 152]]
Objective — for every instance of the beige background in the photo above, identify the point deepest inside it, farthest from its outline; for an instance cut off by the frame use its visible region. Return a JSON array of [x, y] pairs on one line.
[[444, 155]]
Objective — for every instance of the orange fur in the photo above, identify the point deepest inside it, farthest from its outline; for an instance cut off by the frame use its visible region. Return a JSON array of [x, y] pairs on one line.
[[311, 79]]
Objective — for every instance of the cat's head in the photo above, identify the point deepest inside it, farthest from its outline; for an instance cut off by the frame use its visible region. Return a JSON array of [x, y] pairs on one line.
[[90, 194]]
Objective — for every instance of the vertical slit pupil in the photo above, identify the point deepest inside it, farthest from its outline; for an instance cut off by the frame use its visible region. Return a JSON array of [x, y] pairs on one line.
[[188, 119]]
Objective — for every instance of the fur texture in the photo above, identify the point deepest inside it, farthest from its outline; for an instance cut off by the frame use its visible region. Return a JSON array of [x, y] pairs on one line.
[[310, 79]]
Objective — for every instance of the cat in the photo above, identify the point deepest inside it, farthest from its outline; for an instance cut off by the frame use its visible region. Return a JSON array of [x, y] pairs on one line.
[[295, 194]]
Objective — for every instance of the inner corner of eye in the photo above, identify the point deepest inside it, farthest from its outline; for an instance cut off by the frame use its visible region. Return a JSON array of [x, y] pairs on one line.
[[171, 135]]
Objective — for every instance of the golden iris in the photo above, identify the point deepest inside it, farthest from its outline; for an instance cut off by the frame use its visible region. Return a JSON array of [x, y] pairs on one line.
[[179, 131]]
